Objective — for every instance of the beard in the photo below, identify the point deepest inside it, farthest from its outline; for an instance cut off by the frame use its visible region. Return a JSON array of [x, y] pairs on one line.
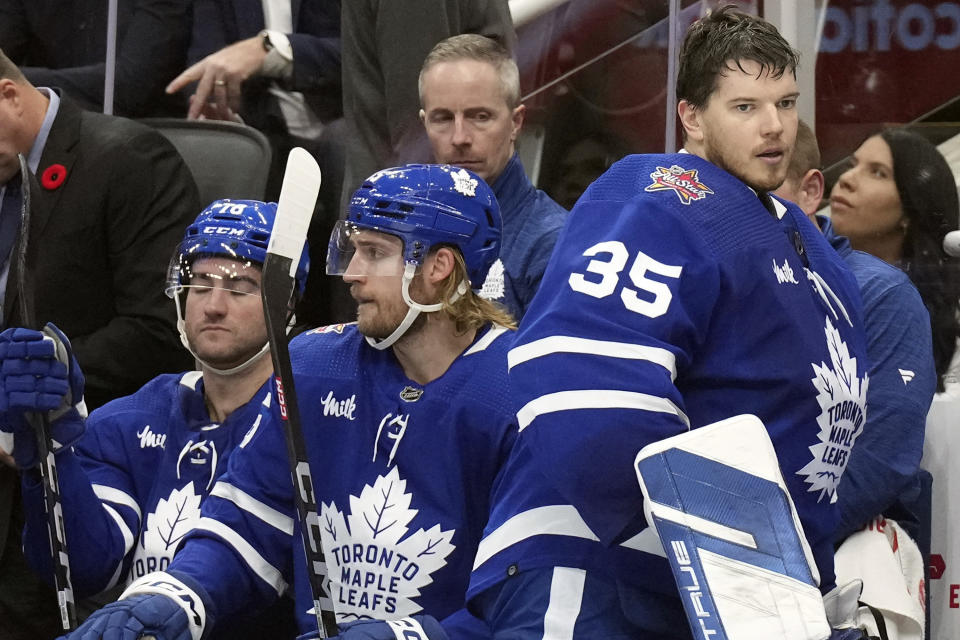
[[752, 171], [380, 318]]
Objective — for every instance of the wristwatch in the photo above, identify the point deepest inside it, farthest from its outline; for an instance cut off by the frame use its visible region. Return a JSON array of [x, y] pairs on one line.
[[278, 63], [276, 41]]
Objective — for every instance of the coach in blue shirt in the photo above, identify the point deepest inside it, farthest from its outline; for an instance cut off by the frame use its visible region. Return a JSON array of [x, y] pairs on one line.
[[470, 94]]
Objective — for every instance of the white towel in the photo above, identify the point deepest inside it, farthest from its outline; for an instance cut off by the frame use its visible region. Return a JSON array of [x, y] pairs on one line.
[[891, 567]]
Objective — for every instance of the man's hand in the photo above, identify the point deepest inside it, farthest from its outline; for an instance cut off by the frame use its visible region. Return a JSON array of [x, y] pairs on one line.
[[39, 374], [220, 77]]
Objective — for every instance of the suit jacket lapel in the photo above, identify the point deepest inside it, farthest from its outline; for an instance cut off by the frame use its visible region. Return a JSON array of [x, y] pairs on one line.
[[61, 148]]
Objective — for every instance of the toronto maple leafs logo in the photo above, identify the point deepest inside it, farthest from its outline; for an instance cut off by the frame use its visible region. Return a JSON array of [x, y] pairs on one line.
[[842, 395], [684, 182], [495, 284], [172, 519], [463, 183], [377, 565]]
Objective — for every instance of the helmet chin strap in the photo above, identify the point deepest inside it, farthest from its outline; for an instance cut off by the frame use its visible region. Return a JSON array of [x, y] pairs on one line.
[[243, 366], [414, 310]]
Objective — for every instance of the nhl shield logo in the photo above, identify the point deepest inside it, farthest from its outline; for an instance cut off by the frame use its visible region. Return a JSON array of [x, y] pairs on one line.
[[410, 394], [684, 182]]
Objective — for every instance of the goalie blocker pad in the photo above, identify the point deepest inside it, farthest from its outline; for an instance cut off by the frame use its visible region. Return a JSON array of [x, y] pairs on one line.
[[718, 502]]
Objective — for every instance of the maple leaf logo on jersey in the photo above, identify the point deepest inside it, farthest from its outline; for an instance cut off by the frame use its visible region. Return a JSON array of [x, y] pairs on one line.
[[373, 573], [463, 183], [684, 182], [495, 284], [842, 395], [172, 519]]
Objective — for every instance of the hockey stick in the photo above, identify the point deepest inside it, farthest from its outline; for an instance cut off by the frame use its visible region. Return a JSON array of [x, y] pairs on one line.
[[298, 196], [41, 424]]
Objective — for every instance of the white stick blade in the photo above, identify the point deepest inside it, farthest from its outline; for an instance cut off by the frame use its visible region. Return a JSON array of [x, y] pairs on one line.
[[298, 197]]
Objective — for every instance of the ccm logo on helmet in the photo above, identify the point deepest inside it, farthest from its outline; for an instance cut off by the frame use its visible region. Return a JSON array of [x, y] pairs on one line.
[[228, 231]]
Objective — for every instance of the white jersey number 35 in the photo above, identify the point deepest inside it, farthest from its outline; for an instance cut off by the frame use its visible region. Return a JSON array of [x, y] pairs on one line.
[[609, 272]]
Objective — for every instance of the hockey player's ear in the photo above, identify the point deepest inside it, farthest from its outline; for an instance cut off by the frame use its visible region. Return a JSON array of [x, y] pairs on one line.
[[811, 190], [690, 119], [438, 266], [423, 117], [517, 117]]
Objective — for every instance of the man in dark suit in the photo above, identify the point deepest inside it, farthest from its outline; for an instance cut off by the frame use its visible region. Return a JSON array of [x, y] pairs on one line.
[[63, 44], [279, 71], [110, 199]]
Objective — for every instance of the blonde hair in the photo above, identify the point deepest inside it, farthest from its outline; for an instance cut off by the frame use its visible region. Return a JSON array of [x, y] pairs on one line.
[[473, 46], [470, 311]]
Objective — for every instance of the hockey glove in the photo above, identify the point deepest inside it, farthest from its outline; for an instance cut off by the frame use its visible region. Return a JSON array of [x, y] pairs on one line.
[[847, 634], [154, 615], [39, 374], [420, 627]]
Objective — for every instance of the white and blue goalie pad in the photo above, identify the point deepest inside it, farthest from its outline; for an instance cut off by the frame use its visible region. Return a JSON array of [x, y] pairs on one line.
[[718, 502]]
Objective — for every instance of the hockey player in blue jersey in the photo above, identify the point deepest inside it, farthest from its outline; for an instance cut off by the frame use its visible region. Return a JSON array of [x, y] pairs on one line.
[[132, 486], [406, 425], [676, 298]]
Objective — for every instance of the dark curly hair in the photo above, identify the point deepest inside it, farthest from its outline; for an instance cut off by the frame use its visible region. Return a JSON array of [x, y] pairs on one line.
[[928, 195], [724, 37]]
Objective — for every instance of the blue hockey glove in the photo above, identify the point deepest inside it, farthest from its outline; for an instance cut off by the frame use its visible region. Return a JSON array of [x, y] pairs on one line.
[[39, 374], [155, 615], [847, 634], [420, 627]]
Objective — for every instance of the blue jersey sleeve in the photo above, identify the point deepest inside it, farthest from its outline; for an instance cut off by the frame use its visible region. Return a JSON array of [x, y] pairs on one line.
[[886, 458], [632, 290], [240, 551], [101, 511]]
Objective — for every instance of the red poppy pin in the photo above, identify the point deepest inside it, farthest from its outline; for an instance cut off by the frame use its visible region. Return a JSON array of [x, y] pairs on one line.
[[53, 176]]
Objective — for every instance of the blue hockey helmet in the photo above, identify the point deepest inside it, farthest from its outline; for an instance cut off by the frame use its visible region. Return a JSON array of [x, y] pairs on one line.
[[425, 206], [234, 229]]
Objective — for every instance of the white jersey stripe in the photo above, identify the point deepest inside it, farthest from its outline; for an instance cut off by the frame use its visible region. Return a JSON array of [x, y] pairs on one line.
[[254, 507], [128, 543], [191, 378], [554, 520], [257, 563], [111, 494], [605, 348], [495, 332], [125, 531], [595, 399], [566, 595], [407, 629]]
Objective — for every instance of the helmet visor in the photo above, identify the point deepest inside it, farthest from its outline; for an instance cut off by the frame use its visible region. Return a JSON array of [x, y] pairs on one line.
[[193, 269], [364, 252]]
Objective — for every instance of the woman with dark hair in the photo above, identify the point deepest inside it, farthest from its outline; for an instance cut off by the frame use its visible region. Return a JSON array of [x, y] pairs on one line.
[[897, 201]]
